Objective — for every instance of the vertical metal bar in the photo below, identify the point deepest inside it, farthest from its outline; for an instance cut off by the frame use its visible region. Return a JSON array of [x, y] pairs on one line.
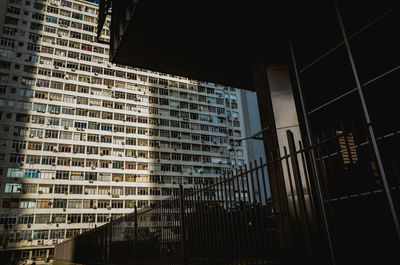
[[294, 218], [233, 240], [268, 212], [135, 224], [251, 223], [225, 199], [201, 223], [182, 225], [323, 182], [214, 227], [258, 236], [206, 231], [110, 242], [292, 192], [263, 239], [174, 228], [238, 221], [224, 235], [189, 227], [233, 213], [177, 225], [313, 161], [169, 227], [220, 234], [195, 234], [209, 236], [304, 222], [196, 226], [246, 218], [307, 179], [329, 166], [214, 222]]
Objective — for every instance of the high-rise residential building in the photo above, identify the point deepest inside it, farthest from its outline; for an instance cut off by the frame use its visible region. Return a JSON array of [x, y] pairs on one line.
[[83, 140]]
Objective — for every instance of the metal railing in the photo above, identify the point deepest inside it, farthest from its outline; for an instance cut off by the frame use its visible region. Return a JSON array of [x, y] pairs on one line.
[[246, 217]]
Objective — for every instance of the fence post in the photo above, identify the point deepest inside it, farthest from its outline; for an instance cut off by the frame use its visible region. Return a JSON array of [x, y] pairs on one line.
[[182, 224], [299, 196], [135, 235]]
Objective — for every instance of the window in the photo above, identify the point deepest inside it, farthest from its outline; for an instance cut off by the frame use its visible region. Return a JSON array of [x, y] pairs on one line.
[[57, 233], [72, 233], [43, 203], [88, 218], [103, 218], [60, 203], [75, 204], [25, 219], [42, 218], [76, 189], [62, 175], [74, 218], [12, 188], [51, 19], [40, 234]]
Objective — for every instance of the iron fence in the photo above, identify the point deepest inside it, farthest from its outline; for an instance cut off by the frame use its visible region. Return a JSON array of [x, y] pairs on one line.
[[297, 215]]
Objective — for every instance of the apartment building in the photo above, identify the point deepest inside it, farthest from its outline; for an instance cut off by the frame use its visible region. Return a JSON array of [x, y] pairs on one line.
[[83, 140]]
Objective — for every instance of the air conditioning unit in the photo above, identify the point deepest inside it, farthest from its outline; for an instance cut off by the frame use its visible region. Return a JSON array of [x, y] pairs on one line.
[[66, 127], [59, 34], [29, 226], [95, 207], [73, 70], [54, 241], [86, 193], [49, 223], [55, 67], [96, 74], [93, 168], [90, 180], [109, 208], [115, 196], [40, 242]]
